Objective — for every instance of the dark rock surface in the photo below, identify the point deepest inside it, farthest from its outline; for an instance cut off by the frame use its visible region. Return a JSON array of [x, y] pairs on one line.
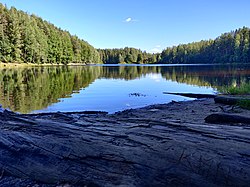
[[230, 100], [159, 145], [227, 118]]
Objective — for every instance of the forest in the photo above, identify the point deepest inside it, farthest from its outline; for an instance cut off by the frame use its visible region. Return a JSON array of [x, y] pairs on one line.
[[232, 47], [28, 38], [127, 55]]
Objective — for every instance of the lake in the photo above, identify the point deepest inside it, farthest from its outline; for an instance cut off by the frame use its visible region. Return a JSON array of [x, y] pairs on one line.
[[110, 88]]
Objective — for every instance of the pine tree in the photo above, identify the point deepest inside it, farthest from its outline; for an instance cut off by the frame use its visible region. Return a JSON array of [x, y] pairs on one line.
[[139, 59], [5, 45], [14, 34]]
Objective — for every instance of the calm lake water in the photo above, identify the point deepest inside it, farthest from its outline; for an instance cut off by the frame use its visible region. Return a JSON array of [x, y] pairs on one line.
[[110, 88]]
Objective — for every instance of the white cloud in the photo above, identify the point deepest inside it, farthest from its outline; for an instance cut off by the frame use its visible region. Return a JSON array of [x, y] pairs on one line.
[[128, 20], [155, 50]]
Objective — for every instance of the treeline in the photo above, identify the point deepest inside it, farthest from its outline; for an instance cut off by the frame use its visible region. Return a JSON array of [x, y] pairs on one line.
[[232, 47], [29, 39], [127, 55]]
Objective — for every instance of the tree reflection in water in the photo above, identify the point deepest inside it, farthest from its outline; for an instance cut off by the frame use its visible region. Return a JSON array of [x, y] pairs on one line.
[[34, 88]]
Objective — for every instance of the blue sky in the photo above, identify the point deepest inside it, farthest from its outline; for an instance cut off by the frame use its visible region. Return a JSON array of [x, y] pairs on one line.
[[150, 25]]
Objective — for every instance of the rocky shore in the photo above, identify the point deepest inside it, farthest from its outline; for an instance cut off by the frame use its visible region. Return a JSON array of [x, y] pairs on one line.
[[159, 145]]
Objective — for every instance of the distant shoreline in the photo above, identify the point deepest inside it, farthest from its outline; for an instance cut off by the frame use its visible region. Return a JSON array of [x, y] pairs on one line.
[[12, 65]]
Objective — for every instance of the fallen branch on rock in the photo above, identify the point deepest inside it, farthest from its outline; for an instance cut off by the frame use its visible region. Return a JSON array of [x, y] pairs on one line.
[[192, 95]]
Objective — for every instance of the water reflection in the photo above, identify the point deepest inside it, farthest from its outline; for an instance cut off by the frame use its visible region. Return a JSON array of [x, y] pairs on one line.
[[28, 89]]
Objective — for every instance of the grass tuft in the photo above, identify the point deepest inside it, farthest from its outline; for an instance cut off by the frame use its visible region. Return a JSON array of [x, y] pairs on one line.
[[244, 103], [243, 89]]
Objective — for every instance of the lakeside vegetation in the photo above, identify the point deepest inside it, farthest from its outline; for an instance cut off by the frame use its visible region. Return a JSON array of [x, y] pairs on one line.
[[244, 103], [242, 90]]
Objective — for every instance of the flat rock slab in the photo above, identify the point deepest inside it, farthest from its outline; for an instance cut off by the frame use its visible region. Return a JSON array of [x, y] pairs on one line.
[[160, 145]]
